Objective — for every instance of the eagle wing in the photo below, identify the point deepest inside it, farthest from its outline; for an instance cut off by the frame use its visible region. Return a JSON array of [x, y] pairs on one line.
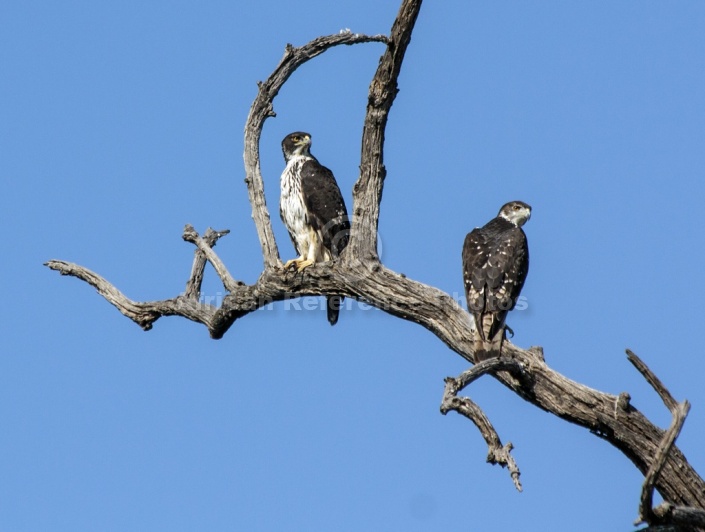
[[474, 257], [325, 206], [495, 265]]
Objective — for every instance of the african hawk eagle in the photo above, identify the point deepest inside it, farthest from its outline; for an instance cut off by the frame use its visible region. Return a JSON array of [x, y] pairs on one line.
[[312, 209], [495, 264]]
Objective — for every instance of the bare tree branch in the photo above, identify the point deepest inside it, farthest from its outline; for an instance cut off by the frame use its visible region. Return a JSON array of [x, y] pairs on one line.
[[665, 514], [204, 247], [193, 286], [653, 380], [623, 426], [496, 453], [646, 513], [681, 518], [144, 314], [367, 192]]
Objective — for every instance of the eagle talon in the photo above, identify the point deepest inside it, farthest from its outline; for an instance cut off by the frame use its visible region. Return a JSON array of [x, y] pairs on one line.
[[302, 265], [298, 264], [288, 264]]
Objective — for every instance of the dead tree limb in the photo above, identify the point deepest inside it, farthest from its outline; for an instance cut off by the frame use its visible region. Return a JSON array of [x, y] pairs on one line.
[[680, 518], [653, 380], [667, 514], [367, 192], [646, 513], [496, 452], [143, 314], [193, 286], [359, 274]]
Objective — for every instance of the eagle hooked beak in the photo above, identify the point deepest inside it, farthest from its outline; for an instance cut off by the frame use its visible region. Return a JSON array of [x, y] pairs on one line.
[[303, 146]]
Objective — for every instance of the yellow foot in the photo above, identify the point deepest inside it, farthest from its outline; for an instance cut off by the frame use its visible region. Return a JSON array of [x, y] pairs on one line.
[[288, 264], [300, 264]]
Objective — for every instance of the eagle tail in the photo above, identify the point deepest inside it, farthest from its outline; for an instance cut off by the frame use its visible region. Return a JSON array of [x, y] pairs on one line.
[[333, 304], [488, 338]]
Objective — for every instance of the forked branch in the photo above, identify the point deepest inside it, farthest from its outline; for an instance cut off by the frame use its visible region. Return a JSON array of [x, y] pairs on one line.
[[496, 452], [193, 286], [186, 305], [666, 514]]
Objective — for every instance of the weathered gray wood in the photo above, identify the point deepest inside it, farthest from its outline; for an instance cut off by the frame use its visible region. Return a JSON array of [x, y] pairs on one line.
[[367, 192], [193, 286], [680, 412], [496, 452]]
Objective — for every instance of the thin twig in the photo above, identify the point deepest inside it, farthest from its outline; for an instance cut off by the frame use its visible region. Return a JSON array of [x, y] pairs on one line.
[[679, 411], [491, 365], [143, 314], [190, 235], [496, 452], [653, 380], [646, 513], [193, 285]]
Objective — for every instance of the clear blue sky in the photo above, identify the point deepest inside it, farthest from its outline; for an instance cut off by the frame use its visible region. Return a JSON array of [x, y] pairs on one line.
[[122, 121]]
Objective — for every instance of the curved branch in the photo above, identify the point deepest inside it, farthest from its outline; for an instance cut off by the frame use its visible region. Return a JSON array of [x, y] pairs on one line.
[[193, 286], [646, 513], [496, 452], [608, 416], [186, 305], [261, 109], [653, 380], [204, 248], [143, 314], [679, 411]]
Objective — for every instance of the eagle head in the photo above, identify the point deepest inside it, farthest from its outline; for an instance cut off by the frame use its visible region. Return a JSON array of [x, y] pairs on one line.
[[297, 143], [516, 212]]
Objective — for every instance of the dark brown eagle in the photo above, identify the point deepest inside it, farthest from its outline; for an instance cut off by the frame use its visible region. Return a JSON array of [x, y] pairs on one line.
[[495, 264], [312, 209]]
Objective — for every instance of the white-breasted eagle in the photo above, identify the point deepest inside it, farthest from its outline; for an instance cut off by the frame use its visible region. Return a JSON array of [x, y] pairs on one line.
[[313, 210]]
